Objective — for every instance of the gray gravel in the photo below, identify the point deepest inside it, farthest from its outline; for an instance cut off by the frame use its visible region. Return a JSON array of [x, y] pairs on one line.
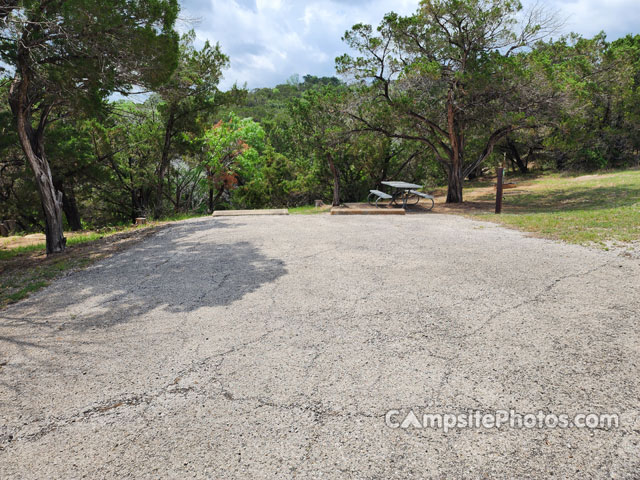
[[271, 347]]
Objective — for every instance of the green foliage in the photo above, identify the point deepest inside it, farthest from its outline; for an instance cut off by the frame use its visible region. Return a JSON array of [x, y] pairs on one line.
[[599, 123], [233, 159], [433, 94], [80, 51], [233, 146]]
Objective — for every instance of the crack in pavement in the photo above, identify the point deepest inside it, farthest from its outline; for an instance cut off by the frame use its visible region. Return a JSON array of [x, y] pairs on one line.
[[535, 298], [111, 406]]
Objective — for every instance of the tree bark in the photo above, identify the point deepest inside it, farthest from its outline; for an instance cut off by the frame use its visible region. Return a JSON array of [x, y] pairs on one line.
[[134, 205], [51, 198], [336, 181], [32, 143], [455, 182], [164, 162], [212, 200], [455, 174]]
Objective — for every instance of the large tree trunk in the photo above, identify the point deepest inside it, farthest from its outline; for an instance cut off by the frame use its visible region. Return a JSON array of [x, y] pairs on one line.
[[164, 162], [136, 205], [50, 197], [70, 208], [32, 143], [336, 181], [454, 188], [455, 174]]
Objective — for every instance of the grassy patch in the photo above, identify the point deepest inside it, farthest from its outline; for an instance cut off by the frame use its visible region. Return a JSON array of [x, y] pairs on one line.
[[183, 216], [84, 238], [6, 254], [578, 209], [309, 210]]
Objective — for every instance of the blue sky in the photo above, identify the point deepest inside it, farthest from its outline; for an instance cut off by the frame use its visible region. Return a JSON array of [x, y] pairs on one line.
[[270, 40]]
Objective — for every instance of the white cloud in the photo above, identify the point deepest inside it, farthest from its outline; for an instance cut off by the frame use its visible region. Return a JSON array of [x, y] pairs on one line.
[[589, 17], [269, 40], [269, 4]]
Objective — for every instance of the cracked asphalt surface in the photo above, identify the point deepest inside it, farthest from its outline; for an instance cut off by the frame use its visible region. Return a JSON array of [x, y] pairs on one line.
[[272, 347]]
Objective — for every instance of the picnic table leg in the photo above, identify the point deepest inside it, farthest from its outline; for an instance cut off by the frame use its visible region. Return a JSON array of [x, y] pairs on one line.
[[394, 197]]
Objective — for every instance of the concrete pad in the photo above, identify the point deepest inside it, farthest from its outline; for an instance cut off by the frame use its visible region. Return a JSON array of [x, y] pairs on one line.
[[273, 347], [366, 211], [242, 213]]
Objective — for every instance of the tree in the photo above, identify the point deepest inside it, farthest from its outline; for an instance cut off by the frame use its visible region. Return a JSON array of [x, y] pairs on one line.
[[70, 56], [126, 151], [520, 148], [232, 154], [598, 125], [455, 69], [320, 125], [191, 90]]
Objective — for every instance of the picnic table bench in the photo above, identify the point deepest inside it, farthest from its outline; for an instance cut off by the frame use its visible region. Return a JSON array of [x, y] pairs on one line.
[[378, 195]]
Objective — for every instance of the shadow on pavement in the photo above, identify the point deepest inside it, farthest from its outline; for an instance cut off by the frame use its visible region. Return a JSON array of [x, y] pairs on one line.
[[181, 269]]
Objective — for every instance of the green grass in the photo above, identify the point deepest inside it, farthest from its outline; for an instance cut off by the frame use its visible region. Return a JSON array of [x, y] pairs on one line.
[[7, 254], [84, 238], [576, 209], [182, 216], [309, 210]]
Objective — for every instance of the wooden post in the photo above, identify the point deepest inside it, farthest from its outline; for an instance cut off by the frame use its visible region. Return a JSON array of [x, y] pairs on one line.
[[499, 191]]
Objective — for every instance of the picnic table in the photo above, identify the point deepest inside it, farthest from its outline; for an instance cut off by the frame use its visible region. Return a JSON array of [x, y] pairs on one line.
[[405, 192], [402, 190]]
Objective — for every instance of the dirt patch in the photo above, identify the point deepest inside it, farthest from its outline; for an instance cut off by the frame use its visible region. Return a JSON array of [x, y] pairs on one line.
[[471, 206], [467, 207], [16, 241]]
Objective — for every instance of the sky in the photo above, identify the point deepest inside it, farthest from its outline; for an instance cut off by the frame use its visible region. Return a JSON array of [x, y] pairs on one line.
[[270, 40]]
